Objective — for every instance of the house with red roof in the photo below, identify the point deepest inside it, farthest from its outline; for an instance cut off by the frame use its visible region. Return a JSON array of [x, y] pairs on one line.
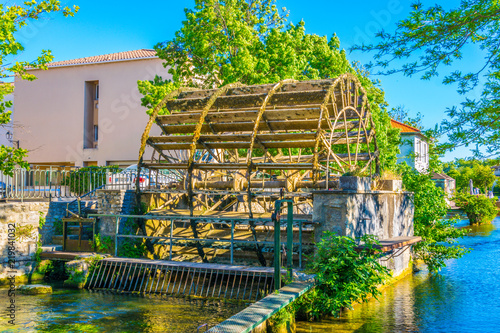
[[86, 111], [414, 150], [414, 147]]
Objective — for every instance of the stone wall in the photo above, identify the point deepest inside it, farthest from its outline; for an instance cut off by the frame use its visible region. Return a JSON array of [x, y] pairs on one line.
[[26, 217], [384, 214], [19, 228], [56, 211], [354, 213], [113, 202]]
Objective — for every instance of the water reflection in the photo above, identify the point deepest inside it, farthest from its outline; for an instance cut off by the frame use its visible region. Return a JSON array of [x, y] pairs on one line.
[[83, 311], [465, 297], [480, 230]]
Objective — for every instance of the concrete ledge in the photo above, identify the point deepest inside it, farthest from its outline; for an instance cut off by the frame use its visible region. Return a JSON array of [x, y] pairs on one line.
[[52, 247], [387, 245], [257, 313], [61, 255]]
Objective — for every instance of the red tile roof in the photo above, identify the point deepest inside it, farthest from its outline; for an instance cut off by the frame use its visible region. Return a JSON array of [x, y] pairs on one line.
[[120, 56], [403, 127], [441, 176]]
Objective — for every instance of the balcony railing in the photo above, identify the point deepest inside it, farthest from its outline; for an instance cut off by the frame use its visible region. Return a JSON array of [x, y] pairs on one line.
[[51, 183]]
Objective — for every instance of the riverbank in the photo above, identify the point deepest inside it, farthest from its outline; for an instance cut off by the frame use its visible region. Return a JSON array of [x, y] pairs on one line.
[[463, 297]]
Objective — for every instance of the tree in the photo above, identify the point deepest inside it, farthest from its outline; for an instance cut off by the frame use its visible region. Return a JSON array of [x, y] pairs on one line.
[[434, 37], [13, 18], [481, 174], [246, 41], [400, 113], [438, 234]]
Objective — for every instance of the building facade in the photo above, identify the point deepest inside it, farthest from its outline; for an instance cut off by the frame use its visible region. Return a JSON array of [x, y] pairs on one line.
[[447, 184], [86, 111], [496, 170], [414, 147]]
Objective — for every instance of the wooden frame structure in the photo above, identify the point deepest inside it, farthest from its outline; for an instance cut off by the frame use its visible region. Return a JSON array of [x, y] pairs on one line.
[[254, 142]]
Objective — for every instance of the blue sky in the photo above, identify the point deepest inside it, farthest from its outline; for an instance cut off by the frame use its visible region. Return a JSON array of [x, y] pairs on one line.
[[102, 27]]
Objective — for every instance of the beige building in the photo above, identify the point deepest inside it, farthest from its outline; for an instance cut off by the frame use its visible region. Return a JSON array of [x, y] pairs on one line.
[[85, 111]]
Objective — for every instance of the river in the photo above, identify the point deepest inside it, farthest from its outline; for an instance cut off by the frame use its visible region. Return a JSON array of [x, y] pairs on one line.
[[463, 297], [83, 311]]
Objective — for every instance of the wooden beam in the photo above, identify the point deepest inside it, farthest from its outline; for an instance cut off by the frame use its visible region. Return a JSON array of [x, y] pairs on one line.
[[247, 126]]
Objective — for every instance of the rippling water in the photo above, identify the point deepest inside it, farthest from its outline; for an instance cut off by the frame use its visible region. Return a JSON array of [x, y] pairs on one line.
[[82, 311], [464, 297]]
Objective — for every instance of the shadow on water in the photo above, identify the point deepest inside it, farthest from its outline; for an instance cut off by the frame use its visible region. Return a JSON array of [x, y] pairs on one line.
[[464, 297], [83, 311]]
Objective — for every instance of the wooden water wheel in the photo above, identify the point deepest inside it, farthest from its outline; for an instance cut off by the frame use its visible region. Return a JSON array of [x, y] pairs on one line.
[[256, 140]]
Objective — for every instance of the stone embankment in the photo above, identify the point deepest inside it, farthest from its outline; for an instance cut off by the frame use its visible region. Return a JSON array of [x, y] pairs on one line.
[[19, 233]]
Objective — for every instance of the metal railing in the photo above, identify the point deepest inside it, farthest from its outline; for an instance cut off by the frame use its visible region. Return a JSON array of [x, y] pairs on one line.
[[172, 240], [60, 182]]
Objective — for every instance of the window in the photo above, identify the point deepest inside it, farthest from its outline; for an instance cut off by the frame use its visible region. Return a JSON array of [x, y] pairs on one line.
[[421, 151], [91, 115], [425, 152], [418, 150]]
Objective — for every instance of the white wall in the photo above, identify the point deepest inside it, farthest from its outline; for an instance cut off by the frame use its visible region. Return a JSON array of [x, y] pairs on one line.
[[51, 112], [414, 150]]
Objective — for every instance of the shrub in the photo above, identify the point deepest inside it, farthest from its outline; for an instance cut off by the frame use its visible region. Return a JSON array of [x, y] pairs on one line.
[[87, 179], [479, 208], [344, 274], [103, 244], [132, 248], [439, 236]]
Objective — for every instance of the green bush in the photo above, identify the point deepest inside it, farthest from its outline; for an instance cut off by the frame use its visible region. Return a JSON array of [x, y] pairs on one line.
[[479, 209], [439, 236], [132, 248], [104, 244], [344, 274], [87, 179]]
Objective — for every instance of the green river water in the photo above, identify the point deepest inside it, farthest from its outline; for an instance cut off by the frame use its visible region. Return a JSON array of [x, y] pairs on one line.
[[82, 311], [464, 297]]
